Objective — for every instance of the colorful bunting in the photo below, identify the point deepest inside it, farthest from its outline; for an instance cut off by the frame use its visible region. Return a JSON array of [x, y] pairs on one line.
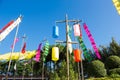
[[92, 41]]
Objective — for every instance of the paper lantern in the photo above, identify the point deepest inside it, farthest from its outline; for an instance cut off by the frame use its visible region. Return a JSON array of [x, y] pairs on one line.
[[77, 30], [55, 31], [55, 53], [77, 55]]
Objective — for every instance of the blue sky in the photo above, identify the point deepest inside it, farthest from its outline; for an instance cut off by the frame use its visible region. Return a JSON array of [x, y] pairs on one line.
[[39, 17]]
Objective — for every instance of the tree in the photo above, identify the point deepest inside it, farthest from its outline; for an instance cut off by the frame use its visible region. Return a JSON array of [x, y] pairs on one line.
[[96, 69], [113, 62]]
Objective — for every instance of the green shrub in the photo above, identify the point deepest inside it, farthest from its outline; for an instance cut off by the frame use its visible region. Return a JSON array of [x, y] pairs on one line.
[[114, 71], [113, 62], [115, 76], [97, 69]]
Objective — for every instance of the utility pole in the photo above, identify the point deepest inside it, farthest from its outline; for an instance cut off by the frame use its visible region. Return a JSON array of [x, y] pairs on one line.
[[66, 21]]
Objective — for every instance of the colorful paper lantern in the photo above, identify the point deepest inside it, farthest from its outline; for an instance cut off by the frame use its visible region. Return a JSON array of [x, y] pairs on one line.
[[77, 30], [77, 55], [55, 31], [55, 53]]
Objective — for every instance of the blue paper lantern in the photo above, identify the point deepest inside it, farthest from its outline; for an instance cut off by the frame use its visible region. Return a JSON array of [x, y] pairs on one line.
[[55, 31]]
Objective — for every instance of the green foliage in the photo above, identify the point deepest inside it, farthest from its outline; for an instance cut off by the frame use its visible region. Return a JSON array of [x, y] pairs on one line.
[[114, 71], [114, 48], [104, 78], [113, 62], [54, 76], [97, 69], [115, 76]]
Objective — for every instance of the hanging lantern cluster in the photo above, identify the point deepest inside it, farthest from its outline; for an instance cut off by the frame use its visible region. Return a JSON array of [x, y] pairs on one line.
[[46, 51], [55, 53], [77, 30], [77, 55], [85, 51], [55, 31], [92, 40]]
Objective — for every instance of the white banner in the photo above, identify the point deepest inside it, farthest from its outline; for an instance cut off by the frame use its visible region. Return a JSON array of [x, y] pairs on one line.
[[9, 29]]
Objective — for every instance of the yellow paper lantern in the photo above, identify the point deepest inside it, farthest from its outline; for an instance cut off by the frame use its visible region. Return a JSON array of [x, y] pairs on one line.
[[55, 53]]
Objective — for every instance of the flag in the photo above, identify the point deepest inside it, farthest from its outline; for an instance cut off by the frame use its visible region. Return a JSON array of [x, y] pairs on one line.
[[9, 28], [6, 26], [117, 5], [16, 40], [24, 48], [37, 57]]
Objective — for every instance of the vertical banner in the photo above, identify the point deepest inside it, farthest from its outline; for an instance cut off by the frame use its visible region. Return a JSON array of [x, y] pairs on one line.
[[85, 51], [9, 28], [38, 53], [92, 41]]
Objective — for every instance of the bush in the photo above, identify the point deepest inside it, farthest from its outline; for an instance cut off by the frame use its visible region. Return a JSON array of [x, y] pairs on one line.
[[114, 71], [115, 76], [97, 69], [113, 62]]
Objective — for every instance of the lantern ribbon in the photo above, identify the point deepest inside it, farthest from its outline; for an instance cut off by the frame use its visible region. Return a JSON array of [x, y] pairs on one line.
[[92, 41], [85, 51], [46, 51], [37, 57]]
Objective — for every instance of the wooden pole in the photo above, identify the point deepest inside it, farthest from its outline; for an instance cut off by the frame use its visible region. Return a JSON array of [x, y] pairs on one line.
[[82, 70], [12, 52], [23, 40], [66, 22]]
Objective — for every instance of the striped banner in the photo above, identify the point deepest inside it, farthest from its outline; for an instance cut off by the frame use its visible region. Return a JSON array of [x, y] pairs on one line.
[[92, 41], [4, 33]]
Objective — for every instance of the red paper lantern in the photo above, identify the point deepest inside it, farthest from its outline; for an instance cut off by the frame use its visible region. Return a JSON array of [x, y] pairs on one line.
[[77, 55]]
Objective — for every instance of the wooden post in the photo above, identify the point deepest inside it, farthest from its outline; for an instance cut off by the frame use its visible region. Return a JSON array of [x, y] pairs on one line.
[[12, 52], [67, 21]]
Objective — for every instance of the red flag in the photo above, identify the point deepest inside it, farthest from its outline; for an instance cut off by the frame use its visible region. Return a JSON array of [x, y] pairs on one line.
[[24, 48]]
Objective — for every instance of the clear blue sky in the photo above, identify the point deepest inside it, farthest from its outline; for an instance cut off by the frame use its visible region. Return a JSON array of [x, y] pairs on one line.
[[39, 17]]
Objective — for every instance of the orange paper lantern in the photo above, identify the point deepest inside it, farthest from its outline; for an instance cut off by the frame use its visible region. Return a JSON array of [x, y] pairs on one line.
[[77, 55]]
